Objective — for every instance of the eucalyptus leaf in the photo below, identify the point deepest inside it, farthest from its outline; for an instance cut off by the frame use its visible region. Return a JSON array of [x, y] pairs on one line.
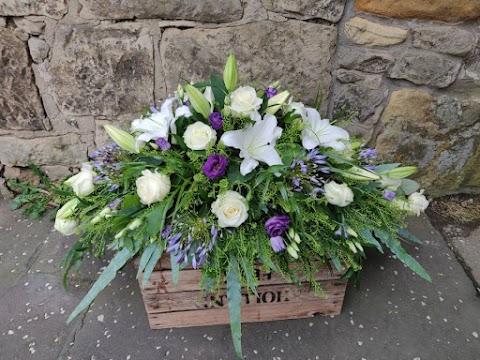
[[147, 254], [409, 186], [396, 248], [405, 234], [369, 238], [106, 277], [380, 169], [234, 296], [175, 268], [156, 255]]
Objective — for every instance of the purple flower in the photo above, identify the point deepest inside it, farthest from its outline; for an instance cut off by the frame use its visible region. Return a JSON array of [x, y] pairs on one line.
[[389, 195], [163, 144], [215, 166], [277, 243], [216, 119], [296, 182], [186, 103], [370, 167], [276, 225], [270, 91], [115, 203], [368, 153], [166, 231], [341, 230]]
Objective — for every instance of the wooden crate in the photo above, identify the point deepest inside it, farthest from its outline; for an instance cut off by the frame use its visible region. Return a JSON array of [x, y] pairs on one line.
[[168, 306]]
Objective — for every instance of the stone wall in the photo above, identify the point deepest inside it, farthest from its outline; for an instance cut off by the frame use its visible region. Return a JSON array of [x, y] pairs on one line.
[[410, 68]]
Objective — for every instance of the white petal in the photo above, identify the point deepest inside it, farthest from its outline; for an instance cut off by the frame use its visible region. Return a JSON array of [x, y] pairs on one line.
[[263, 131], [234, 138], [247, 165], [309, 139], [183, 111], [208, 93], [255, 116], [268, 155], [166, 110], [276, 135]]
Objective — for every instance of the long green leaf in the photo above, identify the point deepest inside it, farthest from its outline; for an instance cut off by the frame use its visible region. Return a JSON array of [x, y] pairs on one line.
[[368, 237], [157, 254], [234, 296], [175, 268], [156, 218], [405, 234], [248, 270], [395, 246], [147, 254], [118, 261]]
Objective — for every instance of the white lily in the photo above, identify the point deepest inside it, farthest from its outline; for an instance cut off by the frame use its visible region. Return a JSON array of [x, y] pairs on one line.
[[156, 126], [318, 131], [256, 143], [208, 93]]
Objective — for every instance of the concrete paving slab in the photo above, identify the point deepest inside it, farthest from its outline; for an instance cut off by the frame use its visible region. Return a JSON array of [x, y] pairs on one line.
[[394, 315]]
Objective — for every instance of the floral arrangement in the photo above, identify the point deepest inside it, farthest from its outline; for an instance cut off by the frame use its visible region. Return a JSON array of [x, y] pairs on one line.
[[223, 177]]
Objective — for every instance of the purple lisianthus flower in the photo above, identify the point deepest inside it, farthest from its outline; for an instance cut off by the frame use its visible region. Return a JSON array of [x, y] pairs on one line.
[[271, 92], [215, 166], [277, 243], [389, 195], [277, 225], [163, 144], [216, 119]]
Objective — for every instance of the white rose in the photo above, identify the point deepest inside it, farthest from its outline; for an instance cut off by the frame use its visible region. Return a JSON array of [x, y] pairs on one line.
[[338, 194], [152, 187], [417, 203], [244, 101], [66, 226], [64, 221], [82, 183], [199, 136], [230, 209]]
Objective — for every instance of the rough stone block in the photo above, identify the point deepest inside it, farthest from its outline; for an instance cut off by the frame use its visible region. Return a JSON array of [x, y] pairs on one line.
[[448, 40], [68, 150], [101, 70], [444, 10], [297, 54], [198, 10], [20, 105], [364, 32], [424, 68], [30, 27], [38, 49], [330, 10], [363, 93], [51, 8], [436, 134], [367, 60]]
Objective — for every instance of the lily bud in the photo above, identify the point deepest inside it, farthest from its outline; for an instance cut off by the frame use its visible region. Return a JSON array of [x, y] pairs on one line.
[[351, 232], [293, 253], [275, 102], [401, 172], [351, 246], [101, 215], [120, 234], [135, 224], [295, 246], [198, 100], [357, 173], [180, 92], [122, 138], [358, 245], [230, 73]]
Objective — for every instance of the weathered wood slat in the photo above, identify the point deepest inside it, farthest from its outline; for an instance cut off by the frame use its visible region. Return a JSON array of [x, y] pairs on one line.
[[256, 313], [162, 282], [171, 306], [268, 294]]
